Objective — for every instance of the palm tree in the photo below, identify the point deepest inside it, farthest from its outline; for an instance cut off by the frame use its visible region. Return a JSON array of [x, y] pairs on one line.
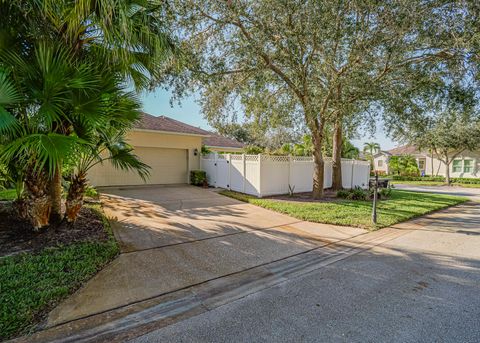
[[371, 148], [305, 148], [54, 88], [127, 39]]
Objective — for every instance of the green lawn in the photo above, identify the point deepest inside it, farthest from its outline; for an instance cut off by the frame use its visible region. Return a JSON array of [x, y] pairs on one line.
[[401, 205], [434, 183], [31, 284], [7, 194]]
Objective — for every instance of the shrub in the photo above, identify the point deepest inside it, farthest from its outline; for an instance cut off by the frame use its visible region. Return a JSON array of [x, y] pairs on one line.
[[418, 178], [356, 193], [385, 192], [91, 192], [198, 177]]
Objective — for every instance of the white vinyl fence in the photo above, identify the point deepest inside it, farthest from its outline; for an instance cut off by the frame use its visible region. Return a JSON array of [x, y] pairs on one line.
[[263, 175]]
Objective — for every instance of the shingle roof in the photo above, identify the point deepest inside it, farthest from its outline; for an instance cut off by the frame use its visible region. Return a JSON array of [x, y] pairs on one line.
[[216, 140], [405, 150], [162, 123]]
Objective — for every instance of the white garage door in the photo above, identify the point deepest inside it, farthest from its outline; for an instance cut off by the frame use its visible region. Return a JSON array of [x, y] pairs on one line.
[[168, 166]]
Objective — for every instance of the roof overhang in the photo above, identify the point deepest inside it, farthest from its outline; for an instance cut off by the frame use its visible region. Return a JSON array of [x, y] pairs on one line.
[[224, 147], [170, 133]]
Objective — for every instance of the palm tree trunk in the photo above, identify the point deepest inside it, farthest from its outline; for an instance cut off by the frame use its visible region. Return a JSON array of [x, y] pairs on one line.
[[337, 155], [36, 204], [75, 195], [56, 196]]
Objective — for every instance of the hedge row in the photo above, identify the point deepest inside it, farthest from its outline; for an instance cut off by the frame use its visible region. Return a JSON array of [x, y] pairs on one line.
[[465, 180]]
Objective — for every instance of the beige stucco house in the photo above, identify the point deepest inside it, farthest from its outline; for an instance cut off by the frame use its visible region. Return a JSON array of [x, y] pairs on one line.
[[466, 164], [171, 148]]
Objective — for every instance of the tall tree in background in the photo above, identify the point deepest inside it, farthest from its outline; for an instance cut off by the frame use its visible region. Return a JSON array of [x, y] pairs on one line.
[[319, 62]]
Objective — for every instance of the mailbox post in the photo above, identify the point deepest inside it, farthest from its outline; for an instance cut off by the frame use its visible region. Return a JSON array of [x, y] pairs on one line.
[[375, 195]]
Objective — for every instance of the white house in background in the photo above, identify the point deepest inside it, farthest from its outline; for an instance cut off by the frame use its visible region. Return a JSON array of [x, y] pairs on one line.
[[466, 164]]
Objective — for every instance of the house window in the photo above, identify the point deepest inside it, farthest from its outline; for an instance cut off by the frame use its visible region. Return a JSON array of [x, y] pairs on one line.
[[457, 166], [380, 163], [467, 166], [421, 164]]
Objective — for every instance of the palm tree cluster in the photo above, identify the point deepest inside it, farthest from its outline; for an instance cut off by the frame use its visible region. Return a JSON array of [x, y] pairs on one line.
[[66, 68]]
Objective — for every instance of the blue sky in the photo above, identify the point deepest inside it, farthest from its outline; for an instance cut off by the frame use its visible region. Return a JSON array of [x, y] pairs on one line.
[[158, 103]]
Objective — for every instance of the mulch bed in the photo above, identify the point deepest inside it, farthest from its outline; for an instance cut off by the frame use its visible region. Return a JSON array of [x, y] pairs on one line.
[[17, 235]]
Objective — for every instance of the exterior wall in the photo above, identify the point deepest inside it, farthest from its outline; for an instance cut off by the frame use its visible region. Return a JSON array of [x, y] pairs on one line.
[[145, 143], [439, 167], [164, 140], [384, 162]]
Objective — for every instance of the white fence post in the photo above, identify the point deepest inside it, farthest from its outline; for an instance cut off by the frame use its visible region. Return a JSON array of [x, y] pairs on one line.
[[353, 170], [244, 167], [229, 162], [259, 175], [215, 159]]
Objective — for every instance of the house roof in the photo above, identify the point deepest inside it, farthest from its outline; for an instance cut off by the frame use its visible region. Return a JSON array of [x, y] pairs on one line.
[[405, 150], [216, 140], [382, 152], [166, 124]]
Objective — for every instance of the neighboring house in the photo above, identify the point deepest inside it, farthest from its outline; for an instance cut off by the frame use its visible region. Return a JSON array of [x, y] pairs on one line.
[[466, 164], [219, 143], [171, 148]]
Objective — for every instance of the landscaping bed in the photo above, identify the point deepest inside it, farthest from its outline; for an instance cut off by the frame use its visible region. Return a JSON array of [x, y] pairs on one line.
[[400, 206], [47, 266]]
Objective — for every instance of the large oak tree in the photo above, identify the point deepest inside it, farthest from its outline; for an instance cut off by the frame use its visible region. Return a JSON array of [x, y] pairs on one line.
[[318, 61]]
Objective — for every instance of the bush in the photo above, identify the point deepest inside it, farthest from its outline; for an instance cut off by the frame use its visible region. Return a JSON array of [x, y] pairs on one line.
[[385, 192], [356, 193], [198, 177], [91, 192], [418, 178], [464, 180]]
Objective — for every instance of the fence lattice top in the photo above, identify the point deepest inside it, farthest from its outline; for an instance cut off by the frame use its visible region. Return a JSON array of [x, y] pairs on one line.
[[275, 158]]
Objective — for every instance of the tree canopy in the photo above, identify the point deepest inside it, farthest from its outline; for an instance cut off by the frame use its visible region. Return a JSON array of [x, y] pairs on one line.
[[313, 62]]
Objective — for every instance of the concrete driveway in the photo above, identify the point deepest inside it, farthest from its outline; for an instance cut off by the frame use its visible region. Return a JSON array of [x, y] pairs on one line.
[[422, 286], [199, 267], [173, 237]]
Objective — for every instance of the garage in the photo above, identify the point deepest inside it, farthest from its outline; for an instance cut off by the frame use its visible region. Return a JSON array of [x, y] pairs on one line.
[[168, 166], [171, 149]]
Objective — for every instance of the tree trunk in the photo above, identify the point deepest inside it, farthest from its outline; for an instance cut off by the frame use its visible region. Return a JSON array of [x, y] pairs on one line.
[[36, 204], [75, 195], [447, 171], [56, 196], [337, 155], [318, 167]]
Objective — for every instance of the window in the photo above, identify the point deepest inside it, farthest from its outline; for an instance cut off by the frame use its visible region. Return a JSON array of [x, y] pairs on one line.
[[421, 164], [380, 163], [467, 166], [457, 166]]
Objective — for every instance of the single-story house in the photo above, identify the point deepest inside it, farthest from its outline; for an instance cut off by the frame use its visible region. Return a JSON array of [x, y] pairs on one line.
[[466, 164], [171, 148], [219, 143]]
